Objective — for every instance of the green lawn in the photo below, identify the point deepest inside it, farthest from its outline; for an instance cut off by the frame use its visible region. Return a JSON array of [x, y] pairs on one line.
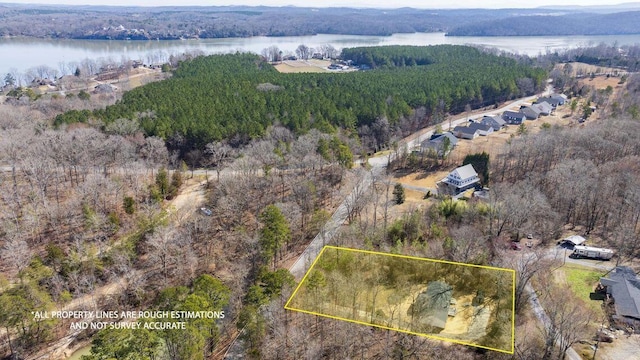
[[582, 281]]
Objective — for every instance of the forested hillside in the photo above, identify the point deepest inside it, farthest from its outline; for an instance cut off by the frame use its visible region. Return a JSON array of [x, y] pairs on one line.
[[572, 24], [178, 22], [240, 95]]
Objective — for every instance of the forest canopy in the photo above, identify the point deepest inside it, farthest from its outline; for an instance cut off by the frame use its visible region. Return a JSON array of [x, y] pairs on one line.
[[222, 96]]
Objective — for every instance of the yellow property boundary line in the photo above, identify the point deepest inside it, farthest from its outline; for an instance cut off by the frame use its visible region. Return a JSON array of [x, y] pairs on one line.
[[513, 298]]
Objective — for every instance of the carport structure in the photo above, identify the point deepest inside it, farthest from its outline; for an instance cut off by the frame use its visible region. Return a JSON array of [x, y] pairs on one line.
[[573, 240]]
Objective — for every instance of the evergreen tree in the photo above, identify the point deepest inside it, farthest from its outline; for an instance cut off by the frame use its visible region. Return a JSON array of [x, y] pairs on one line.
[[129, 205], [162, 181], [398, 194], [480, 162], [274, 233]]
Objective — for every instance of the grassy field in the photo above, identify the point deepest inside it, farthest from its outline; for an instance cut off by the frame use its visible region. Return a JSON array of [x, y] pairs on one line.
[[582, 282]]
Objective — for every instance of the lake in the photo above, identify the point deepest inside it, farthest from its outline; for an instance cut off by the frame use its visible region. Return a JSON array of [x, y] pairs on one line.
[[21, 54]]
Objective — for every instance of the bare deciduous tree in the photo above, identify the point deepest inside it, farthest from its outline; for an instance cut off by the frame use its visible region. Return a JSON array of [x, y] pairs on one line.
[[219, 155], [303, 52], [16, 254]]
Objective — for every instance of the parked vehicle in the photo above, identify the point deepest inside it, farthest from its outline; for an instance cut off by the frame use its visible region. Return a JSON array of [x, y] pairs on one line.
[[589, 252], [206, 211]]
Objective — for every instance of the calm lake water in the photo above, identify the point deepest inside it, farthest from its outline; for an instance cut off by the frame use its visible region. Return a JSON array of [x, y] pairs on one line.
[[19, 54]]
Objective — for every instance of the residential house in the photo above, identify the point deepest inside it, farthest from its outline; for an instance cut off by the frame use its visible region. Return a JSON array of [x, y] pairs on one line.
[[530, 112], [544, 108], [495, 122], [483, 130], [513, 118], [431, 307], [462, 179], [623, 286], [464, 132], [437, 144], [561, 98], [553, 102], [452, 138]]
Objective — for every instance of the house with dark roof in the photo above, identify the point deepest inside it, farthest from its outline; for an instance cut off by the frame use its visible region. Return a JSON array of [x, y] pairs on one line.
[[464, 132], [513, 118], [437, 144], [483, 130], [623, 286], [530, 112], [461, 179], [431, 307], [495, 122], [562, 98], [544, 108]]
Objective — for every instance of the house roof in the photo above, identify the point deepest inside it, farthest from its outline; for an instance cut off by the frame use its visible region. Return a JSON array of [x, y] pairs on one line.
[[432, 305], [543, 107], [575, 239], [465, 172], [440, 137], [479, 126], [514, 114], [465, 130], [533, 109], [494, 119], [530, 113], [624, 286], [550, 100]]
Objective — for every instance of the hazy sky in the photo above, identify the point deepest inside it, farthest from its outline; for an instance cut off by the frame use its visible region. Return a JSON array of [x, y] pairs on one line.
[[425, 4]]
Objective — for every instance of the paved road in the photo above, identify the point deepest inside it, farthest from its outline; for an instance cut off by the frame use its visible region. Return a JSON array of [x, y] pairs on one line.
[[544, 319], [561, 253], [378, 164], [300, 267], [415, 140]]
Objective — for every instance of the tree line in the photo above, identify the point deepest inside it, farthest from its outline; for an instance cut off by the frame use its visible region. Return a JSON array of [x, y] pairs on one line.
[[545, 25], [224, 96], [135, 23]]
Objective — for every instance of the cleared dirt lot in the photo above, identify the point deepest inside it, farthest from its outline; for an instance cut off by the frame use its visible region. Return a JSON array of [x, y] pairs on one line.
[[301, 66], [424, 180], [601, 82], [624, 347], [585, 69]]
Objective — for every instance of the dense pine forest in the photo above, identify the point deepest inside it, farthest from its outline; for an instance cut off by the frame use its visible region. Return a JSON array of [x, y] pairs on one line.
[[241, 95]]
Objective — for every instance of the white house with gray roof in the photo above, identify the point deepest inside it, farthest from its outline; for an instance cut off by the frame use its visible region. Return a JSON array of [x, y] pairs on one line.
[[464, 132], [483, 130], [462, 179]]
